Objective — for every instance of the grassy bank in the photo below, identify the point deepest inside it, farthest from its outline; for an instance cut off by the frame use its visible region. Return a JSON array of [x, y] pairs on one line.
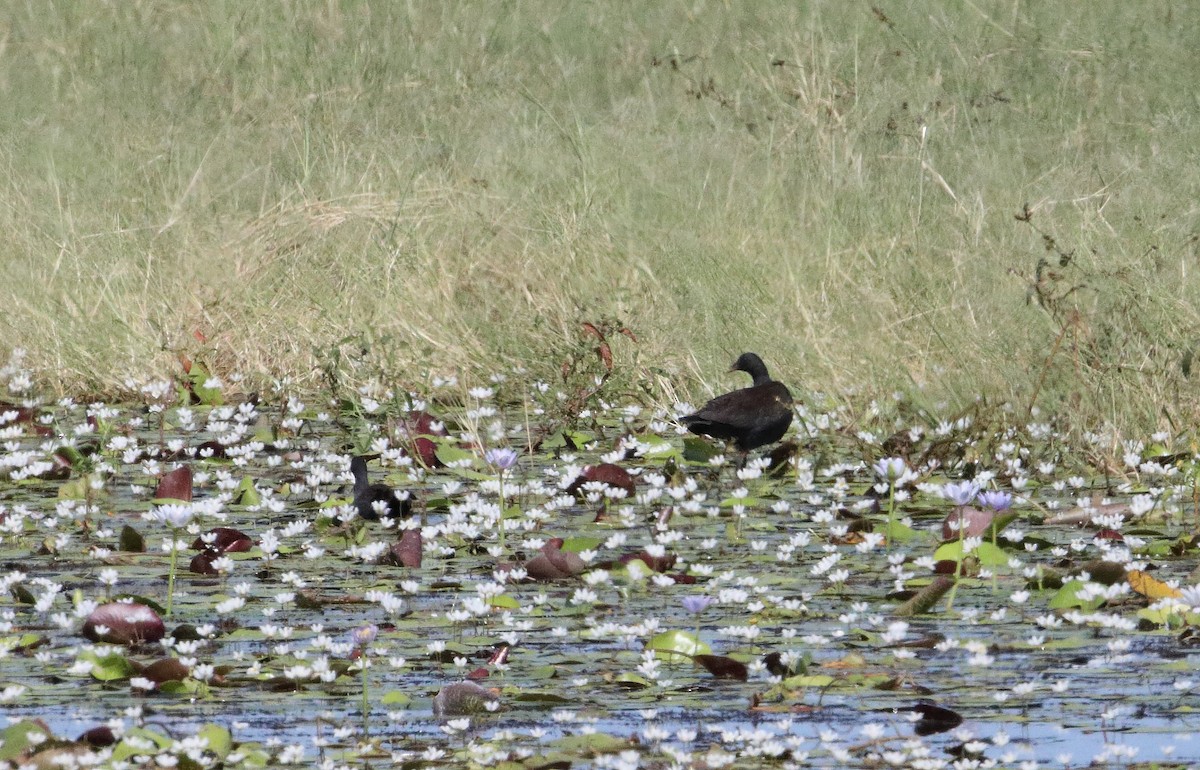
[[991, 198]]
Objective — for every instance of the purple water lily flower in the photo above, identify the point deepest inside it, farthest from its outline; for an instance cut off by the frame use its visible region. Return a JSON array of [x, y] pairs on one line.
[[696, 604], [995, 499], [890, 468], [961, 493], [364, 635], [502, 458]]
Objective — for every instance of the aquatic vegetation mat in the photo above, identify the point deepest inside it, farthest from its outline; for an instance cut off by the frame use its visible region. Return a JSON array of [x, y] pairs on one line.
[[193, 583]]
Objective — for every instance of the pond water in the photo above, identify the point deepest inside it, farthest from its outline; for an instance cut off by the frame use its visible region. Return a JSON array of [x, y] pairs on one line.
[[793, 563]]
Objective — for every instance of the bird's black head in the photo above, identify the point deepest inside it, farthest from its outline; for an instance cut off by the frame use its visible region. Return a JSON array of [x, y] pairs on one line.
[[752, 365]]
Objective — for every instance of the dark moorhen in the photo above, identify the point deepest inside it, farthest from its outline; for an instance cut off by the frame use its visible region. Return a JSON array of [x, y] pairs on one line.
[[750, 417], [367, 494]]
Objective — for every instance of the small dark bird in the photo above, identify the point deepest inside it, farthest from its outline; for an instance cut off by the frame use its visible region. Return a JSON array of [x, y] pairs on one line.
[[366, 495], [750, 417]]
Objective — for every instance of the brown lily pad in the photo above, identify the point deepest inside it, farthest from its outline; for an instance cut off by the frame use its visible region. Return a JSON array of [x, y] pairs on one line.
[[552, 563], [407, 552], [202, 563], [607, 474], [966, 521], [123, 623], [131, 541], [175, 485], [421, 426], [223, 540]]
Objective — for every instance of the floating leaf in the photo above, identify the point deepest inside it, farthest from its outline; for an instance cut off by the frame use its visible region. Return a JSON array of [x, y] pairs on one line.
[[542, 697], [396, 698], [426, 432], [577, 440], [77, 489], [136, 741], [246, 493], [223, 540], [131, 541], [21, 736], [683, 643], [175, 485], [218, 739], [1151, 587], [452, 454], [109, 666], [606, 474], [990, 555], [552, 563], [697, 450], [1068, 598], [654, 563], [580, 543], [985, 553], [121, 623], [592, 743], [808, 680], [197, 384], [202, 563], [966, 521], [407, 552], [632, 681]]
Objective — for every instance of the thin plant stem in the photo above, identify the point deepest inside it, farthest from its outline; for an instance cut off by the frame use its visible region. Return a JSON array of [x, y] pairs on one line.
[[171, 573], [366, 703], [500, 521], [891, 513]]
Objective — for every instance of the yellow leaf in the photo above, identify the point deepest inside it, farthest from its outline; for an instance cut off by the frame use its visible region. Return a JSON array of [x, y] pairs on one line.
[[1151, 588]]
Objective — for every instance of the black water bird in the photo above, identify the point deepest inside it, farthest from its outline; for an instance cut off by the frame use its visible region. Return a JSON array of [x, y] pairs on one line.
[[366, 495], [750, 417]]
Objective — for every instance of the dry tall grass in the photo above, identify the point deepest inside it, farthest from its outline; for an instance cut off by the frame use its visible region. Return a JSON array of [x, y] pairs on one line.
[[456, 187]]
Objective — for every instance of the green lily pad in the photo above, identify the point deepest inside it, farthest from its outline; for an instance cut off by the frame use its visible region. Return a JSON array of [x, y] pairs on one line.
[[677, 643]]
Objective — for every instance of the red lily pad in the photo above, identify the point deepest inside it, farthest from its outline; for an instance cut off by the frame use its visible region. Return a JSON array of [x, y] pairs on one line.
[[407, 552], [605, 473], [966, 521], [202, 563], [175, 485], [552, 563], [223, 540], [121, 623], [422, 426]]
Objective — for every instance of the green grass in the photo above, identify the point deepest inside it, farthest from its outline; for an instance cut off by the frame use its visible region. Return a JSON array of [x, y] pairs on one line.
[[459, 188]]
